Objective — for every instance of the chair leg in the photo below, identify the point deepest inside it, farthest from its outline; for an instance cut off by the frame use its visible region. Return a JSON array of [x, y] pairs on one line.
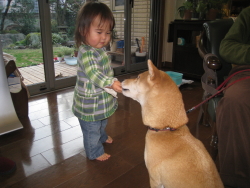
[[200, 117], [214, 143], [205, 121], [203, 116]]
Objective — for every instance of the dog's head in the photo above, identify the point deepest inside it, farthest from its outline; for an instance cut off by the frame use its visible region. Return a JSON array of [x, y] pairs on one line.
[[160, 98]]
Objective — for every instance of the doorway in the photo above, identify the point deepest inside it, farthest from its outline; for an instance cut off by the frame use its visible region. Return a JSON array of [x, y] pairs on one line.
[[52, 39], [130, 51]]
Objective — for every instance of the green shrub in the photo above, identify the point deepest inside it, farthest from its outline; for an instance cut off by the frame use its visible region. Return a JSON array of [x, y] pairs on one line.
[[27, 21], [54, 25], [66, 51], [57, 39], [10, 31], [59, 54], [33, 40], [21, 43], [70, 32], [11, 46]]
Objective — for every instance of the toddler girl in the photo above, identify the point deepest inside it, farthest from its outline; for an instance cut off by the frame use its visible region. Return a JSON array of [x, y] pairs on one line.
[[92, 104]]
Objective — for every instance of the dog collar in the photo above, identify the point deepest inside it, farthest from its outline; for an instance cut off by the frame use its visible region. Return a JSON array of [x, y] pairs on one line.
[[165, 129]]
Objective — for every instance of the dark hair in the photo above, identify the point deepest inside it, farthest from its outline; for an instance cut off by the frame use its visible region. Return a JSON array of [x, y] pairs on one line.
[[88, 12]]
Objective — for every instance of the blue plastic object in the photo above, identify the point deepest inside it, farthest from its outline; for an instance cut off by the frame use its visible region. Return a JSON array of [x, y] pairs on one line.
[[120, 44], [176, 76]]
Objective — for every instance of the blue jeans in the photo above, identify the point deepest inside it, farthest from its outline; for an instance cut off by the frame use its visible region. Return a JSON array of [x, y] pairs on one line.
[[94, 135]]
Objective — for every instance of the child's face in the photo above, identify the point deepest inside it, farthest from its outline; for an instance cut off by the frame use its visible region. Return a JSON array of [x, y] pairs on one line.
[[98, 35]]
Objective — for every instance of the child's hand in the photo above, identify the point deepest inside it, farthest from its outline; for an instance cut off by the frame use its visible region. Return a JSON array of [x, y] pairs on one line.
[[117, 86]]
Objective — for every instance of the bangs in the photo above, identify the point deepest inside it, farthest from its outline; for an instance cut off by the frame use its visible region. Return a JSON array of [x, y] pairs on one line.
[[104, 19]]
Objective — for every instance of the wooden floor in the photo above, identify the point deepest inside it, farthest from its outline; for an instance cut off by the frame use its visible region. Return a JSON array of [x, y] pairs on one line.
[[49, 150], [35, 74]]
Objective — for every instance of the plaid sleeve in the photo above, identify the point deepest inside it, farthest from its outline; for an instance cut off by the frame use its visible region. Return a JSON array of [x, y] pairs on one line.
[[97, 68]]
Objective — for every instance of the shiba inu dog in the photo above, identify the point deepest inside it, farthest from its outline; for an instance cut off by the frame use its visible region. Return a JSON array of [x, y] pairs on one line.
[[173, 156]]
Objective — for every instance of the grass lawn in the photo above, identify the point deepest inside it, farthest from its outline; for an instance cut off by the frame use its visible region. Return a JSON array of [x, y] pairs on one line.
[[29, 57]]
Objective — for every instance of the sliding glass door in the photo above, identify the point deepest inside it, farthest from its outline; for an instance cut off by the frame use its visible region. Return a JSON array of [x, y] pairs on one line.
[[34, 33], [40, 36], [140, 33], [129, 49], [62, 19], [21, 38], [57, 23]]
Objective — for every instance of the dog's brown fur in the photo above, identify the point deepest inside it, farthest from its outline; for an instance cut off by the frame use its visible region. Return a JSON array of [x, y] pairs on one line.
[[174, 159]]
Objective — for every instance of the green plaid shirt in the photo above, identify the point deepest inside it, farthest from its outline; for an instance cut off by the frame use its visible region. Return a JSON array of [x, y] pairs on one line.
[[91, 102]]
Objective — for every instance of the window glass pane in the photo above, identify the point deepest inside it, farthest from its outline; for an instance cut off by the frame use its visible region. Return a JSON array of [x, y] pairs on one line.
[[21, 38], [63, 17], [139, 32]]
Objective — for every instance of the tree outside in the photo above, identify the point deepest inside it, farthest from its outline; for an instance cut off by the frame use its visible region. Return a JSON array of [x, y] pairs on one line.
[[20, 24]]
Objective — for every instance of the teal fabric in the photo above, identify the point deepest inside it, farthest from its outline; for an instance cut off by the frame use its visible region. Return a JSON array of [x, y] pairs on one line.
[[94, 72], [235, 47]]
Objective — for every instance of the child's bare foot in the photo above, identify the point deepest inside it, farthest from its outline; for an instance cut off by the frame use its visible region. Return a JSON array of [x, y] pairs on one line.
[[103, 157], [109, 140]]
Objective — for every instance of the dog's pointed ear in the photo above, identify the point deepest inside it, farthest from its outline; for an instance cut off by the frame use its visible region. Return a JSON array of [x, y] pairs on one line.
[[152, 70]]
